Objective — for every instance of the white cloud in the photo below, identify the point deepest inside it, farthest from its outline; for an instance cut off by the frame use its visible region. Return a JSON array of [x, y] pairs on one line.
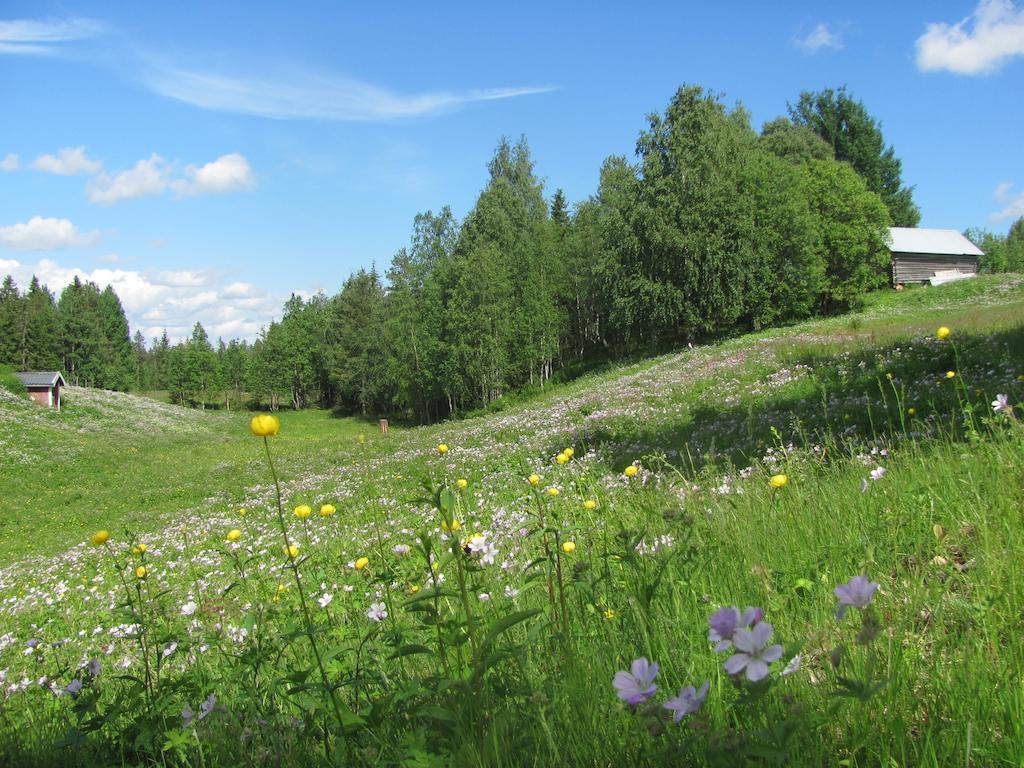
[[175, 300], [67, 162], [31, 36], [111, 258], [10, 163], [225, 174], [1013, 205], [45, 234], [977, 45], [156, 175], [819, 37], [146, 177], [308, 95]]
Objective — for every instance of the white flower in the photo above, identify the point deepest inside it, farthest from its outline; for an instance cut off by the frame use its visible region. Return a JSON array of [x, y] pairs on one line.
[[377, 612], [169, 649], [401, 549], [878, 473], [188, 608], [484, 597], [510, 591], [792, 666], [325, 600], [1002, 404]]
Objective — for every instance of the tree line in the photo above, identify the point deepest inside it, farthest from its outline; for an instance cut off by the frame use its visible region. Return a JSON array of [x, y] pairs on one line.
[[712, 228]]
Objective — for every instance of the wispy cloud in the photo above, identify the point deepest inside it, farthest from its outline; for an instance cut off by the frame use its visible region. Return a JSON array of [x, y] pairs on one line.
[[41, 37], [67, 162], [155, 175], [819, 37], [310, 96], [1013, 205], [11, 162], [978, 45]]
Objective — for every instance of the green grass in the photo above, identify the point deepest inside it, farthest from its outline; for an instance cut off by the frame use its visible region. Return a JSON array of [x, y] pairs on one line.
[[931, 670]]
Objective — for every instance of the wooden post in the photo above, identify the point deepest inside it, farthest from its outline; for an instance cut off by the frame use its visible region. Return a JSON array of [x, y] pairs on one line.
[[383, 426]]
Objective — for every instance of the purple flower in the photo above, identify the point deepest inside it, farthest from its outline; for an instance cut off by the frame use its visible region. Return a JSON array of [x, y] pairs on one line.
[[186, 716], [856, 593], [207, 706], [637, 685], [878, 473], [688, 701], [377, 612], [754, 652], [74, 687], [1001, 404], [94, 667], [725, 621]]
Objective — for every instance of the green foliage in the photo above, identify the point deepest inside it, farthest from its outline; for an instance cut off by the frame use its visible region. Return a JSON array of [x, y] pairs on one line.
[[11, 383]]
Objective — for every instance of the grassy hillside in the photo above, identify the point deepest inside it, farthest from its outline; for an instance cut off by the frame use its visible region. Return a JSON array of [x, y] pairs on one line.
[[504, 651]]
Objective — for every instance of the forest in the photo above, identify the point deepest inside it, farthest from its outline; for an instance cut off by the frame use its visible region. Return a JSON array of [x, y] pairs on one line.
[[712, 229]]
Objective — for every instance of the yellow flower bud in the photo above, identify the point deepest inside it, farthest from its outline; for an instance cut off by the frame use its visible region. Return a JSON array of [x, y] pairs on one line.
[[264, 425], [442, 448], [242, 512], [561, 459], [943, 332], [140, 549], [140, 572], [569, 452], [362, 562], [291, 551], [609, 614], [631, 470], [911, 411], [303, 511], [950, 374], [569, 547], [552, 491], [590, 504], [234, 534], [327, 510], [778, 481], [534, 479], [462, 482], [99, 538]]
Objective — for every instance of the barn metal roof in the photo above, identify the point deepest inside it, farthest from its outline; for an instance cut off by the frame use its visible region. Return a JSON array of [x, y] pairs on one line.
[[40, 378], [939, 241]]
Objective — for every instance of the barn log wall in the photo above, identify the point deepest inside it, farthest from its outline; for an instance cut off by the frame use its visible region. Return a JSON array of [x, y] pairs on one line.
[[920, 267]]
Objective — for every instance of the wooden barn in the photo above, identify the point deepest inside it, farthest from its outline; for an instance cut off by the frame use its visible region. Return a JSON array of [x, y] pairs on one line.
[[931, 255], [43, 386]]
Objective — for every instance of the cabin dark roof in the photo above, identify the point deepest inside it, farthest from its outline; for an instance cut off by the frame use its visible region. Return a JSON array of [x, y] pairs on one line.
[[40, 378]]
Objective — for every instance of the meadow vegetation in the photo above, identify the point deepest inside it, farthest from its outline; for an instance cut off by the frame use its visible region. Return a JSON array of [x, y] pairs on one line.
[[797, 547]]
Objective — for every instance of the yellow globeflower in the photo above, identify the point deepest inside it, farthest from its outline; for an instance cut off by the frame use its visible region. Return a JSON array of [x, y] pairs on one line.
[[140, 572], [99, 538], [303, 511], [911, 411], [552, 491], [590, 504], [943, 332], [264, 425], [291, 551], [234, 534], [778, 481], [631, 470], [950, 374], [609, 614], [362, 562], [140, 549], [561, 459], [569, 452], [569, 547], [442, 448], [327, 510], [242, 512], [462, 482], [414, 588], [534, 479]]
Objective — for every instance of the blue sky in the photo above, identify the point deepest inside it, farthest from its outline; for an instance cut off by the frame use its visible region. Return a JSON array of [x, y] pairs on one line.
[[209, 159]]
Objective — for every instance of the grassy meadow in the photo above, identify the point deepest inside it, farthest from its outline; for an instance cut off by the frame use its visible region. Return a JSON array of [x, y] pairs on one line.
[[465, 594]]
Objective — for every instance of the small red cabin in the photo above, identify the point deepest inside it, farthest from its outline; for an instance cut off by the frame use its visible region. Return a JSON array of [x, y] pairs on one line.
[[43, 386]]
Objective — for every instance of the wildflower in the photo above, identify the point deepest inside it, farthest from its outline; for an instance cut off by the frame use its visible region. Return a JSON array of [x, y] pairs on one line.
[[552, 491], [442, 448], [462, 483], [362, 562], [414, 588], [377, 612], [327, 510], [401, 549], [234, 534], [186, 716], [636, 686], [534, 479], [856, 593], [725, 621], [779, 481], [140, 572], [242, 512], [754, 654], [688, 701], [171, 648], [942, 333], [140, 549], [878, 473], [792, 666], [264, 425], [484, 597], [590, 504], [325, 599], [291, 551], [911, 411], [609, 614], [561, 459], [455, 525], [569, 547], [302, 511], [99, 538], [207, 706], [188, 608], [94, 667], [950, 374], [74, 687], [631, 471], [569, 452], [511, 592], [1002, 404]]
